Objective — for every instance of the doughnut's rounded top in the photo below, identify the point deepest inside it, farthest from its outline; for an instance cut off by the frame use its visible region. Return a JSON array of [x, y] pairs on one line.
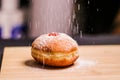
[[55, 42]]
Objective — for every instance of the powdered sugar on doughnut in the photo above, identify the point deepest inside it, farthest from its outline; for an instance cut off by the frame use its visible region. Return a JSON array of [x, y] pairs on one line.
[[59, 43]]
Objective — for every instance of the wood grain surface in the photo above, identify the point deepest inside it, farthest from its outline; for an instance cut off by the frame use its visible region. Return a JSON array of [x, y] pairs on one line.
[[99, 62]]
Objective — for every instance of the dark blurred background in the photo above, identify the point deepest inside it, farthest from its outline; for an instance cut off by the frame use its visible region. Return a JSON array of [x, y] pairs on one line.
[[98, 16], [93, 17]]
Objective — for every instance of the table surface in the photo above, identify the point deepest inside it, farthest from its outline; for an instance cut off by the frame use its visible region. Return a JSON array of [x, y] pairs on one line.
[[98, 62]]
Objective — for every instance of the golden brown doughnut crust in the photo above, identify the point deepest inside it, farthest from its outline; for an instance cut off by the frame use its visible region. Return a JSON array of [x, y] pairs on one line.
[[54, 60], [59, 50]]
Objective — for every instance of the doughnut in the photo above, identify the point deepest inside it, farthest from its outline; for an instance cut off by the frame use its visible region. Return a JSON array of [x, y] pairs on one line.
[[55, 49]]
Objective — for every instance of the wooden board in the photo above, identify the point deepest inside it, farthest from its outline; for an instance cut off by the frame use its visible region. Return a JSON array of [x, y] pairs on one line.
[[95, 63]]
